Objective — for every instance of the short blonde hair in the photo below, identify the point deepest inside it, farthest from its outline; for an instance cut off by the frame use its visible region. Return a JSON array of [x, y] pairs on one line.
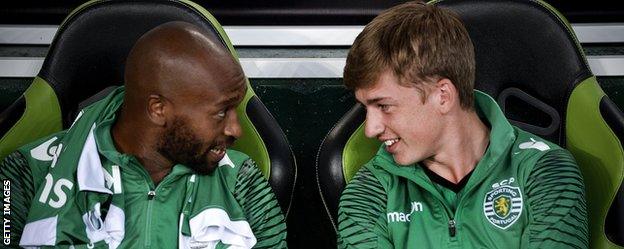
[[417, 42]]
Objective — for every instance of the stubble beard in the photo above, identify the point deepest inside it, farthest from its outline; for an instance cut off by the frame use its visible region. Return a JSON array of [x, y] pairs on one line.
[[180, 145]]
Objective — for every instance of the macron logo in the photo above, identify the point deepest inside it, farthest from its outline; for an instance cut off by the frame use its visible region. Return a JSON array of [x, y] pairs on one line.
[[403, 217], [534, 145]]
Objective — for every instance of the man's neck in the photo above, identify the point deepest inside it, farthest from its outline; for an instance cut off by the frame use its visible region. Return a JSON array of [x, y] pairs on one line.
[[463, 144], [141, 145]]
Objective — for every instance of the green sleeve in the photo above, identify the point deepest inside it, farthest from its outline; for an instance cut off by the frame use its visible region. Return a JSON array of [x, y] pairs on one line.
[[16, 174], [261, 208], [361, 215], [556, 199]]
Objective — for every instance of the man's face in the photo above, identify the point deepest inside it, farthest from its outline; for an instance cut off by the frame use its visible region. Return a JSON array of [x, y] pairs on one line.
[[396, 115], [204, 122]]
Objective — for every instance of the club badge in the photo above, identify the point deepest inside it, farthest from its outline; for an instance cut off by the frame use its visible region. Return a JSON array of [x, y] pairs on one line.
[[503, 205]]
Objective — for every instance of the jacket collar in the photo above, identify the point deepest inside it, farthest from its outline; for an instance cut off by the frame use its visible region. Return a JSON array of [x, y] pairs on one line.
[[502, 137]]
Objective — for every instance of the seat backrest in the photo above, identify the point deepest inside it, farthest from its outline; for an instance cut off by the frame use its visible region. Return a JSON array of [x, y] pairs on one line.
[[88, 54], [529, 60]]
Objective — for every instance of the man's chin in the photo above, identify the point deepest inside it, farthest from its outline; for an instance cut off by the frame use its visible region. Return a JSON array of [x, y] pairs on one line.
[[401, 160]]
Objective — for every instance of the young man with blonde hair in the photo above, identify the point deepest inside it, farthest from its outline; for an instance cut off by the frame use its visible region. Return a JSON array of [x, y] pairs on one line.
[[451, 172]]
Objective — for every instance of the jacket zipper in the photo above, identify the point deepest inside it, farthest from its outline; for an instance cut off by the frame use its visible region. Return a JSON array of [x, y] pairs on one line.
[[451, 227], [450, 215], [152, 191], [151, 195], [452, 219], [148, 224]]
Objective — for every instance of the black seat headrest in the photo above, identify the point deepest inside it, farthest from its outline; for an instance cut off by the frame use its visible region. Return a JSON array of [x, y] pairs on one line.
[[524, 45], [88, 53]]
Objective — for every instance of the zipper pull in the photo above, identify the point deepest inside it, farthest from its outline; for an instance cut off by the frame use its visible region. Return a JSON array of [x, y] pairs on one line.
[[151, 194], [451, 226]]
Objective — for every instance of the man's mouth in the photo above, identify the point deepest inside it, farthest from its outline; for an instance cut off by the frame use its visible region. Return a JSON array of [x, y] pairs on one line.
[[218, 151], [390, 142]]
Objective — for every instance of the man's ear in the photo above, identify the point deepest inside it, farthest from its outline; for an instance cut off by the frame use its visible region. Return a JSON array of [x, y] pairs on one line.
[[447, 94], [156, 109]]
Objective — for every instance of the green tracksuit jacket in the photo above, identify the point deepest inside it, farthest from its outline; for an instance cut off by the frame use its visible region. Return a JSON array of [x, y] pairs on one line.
[[525, 192], [152, 213]]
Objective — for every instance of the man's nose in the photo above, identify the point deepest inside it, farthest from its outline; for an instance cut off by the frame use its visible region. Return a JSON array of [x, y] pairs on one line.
[[233, 127], [373, 125]]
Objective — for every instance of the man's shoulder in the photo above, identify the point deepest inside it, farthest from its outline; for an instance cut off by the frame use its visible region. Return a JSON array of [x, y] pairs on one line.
[[237, 157], [531, 145], [375, 171], [370, 177], [42, 149], [365, 188], [530, 149], [230, 167], [233, 162]]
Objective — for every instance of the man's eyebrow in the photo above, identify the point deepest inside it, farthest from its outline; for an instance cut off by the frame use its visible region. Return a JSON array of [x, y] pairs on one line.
[[375, 100], [228, 100]]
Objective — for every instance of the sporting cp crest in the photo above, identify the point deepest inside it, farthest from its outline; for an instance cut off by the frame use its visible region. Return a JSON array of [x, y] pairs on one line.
[[503, 206]]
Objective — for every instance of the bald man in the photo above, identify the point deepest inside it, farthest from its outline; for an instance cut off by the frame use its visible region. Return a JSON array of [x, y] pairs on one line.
[[148, 165]]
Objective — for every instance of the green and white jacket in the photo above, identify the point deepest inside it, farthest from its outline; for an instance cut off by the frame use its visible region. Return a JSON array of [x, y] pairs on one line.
[[525, 192], [73, 189]]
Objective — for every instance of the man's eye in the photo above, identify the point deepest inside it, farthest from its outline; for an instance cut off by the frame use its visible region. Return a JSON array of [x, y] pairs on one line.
[[221, 114], [383, 108]]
